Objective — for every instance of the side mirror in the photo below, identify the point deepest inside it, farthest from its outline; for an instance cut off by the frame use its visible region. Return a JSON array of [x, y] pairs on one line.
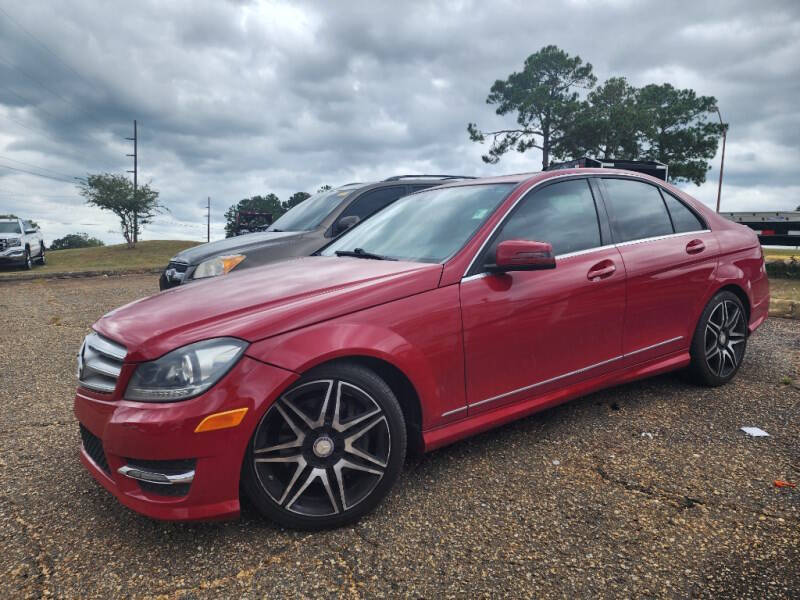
[[523, 255], [346, 223], [29, 231]]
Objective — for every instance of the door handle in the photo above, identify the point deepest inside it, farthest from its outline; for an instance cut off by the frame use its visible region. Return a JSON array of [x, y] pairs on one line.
[[601, 270], [695, 247]]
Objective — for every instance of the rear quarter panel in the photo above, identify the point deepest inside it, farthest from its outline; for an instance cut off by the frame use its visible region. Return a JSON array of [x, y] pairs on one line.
[[741, 263]]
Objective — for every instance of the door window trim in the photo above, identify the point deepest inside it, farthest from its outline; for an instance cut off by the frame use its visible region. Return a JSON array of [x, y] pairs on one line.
[[598, 205]]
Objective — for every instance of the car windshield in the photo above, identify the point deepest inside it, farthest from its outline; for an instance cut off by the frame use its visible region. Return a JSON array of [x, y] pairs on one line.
[[310, 212], [426, 227], [9, 227]]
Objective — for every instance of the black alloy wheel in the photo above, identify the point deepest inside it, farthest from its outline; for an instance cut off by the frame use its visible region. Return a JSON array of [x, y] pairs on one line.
[[328, 450], [720, 340]]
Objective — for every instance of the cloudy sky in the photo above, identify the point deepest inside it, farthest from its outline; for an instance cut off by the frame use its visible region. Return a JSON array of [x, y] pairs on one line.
[[240, 98]]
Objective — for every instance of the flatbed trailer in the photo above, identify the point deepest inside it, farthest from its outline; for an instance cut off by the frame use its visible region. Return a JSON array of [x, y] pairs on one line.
[[774, 228]]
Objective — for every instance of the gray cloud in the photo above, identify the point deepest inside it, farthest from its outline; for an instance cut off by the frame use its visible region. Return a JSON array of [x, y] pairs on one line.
[[239, 98]]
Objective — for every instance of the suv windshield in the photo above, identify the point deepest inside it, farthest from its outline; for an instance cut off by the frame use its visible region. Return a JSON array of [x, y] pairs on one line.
[[429, 226], [310, 212], [9, 227]]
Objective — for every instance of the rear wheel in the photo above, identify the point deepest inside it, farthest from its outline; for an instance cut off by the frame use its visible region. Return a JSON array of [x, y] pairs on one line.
[[720, 340], [328, 450], [42, 260]]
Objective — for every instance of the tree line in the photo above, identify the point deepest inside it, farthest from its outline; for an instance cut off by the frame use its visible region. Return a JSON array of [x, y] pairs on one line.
[[563, 113]]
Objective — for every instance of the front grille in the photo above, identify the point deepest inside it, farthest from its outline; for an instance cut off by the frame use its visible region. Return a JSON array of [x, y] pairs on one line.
[[180, 267], [94, 448], [100, 363], [167, 467]]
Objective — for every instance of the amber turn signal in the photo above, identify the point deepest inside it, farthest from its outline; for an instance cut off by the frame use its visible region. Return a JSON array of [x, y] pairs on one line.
[[221, 420]]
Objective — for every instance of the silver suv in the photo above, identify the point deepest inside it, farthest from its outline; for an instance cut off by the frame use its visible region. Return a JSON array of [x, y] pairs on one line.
[[21, 243]]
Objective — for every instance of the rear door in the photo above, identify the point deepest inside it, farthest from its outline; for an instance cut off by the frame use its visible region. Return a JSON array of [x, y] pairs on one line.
[[528, 332], [670, 257]]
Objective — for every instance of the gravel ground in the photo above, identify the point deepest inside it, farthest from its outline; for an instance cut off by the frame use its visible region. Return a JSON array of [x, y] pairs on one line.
[[575, 501]]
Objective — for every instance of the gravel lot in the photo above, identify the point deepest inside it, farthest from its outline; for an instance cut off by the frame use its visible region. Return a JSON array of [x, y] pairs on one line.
[[575, 501]]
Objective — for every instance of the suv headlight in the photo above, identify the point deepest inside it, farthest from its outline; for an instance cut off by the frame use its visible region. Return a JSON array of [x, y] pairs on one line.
[[185, 372], [219, 265], [15, 241]]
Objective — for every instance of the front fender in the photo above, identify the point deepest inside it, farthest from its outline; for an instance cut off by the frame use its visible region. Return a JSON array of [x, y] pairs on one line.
[[427, 361]]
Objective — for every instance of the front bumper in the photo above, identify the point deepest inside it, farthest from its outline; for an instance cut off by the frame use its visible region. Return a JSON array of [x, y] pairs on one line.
[[15, 256], [143, 436]]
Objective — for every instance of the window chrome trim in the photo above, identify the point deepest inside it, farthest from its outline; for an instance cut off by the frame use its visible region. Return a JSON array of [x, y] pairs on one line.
[[661, 237], [563, 376], [575, 176]]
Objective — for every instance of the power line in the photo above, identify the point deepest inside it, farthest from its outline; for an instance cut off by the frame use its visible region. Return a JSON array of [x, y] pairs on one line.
[[36, 174], [43, 45], [29, 103], [36, 167]]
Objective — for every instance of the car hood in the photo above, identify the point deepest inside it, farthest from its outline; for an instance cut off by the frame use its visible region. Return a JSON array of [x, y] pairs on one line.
[[5, 236], [262, 302], [235, 245]]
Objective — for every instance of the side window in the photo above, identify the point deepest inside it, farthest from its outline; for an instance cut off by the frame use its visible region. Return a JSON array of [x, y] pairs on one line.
[[636, 210], [562, 214], [371, 202], [26, 225], [683, 219]]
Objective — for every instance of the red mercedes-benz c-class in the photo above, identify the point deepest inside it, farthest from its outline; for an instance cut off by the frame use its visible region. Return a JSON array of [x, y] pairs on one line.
[[304, 383]]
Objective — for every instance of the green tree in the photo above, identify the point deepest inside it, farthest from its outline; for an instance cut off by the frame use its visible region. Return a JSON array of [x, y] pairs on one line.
[[608, 124], [295, 199], [115, 193], [678, 130], [324, 188], [75, 240], [544, 98], [267, 205]]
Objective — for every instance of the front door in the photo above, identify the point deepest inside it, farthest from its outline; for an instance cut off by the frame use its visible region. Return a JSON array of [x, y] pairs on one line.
[[528, 332]]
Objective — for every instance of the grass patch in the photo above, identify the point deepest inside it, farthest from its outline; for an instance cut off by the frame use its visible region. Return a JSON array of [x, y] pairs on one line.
[[146, 255], [786, 289], [781, 253]]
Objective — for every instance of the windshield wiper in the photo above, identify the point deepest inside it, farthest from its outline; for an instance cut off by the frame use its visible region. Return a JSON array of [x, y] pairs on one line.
[[361, 253]]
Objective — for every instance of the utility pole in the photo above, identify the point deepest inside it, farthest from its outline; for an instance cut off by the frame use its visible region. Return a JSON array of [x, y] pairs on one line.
[[208, 230], [135, 155], [722, 163]]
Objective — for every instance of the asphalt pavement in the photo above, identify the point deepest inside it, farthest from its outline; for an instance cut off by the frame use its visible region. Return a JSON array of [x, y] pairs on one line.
[[646, 490]]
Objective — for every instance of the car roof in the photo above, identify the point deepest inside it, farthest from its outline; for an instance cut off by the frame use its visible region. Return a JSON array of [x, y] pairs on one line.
[[534, 176]]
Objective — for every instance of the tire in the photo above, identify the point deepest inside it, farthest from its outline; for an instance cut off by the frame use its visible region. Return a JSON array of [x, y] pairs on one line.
[[28, 264], [42, 260], [327, 451], [720, 340]]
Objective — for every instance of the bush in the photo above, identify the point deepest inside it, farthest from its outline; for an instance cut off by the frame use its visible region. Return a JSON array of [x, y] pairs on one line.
[[75, 240], [784, 269]]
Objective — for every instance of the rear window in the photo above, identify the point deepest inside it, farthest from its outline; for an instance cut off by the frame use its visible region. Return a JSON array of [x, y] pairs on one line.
[[683, 219], [636, 210]]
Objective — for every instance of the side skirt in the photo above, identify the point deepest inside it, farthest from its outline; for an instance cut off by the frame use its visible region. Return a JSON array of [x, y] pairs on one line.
[[452, 432]]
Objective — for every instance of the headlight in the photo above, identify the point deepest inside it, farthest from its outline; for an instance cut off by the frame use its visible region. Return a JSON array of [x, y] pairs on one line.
[[184, 372], [15, 242], [219, 265]]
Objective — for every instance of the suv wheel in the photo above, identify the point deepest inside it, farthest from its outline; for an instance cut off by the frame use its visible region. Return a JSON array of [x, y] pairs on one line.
[[720, 340], [28, 264], [328, 450]]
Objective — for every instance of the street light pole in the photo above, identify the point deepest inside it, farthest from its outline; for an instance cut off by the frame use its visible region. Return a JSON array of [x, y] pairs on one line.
[[722, 163]]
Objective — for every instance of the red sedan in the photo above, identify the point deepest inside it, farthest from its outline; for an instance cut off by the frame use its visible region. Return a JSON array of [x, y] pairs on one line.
[[454, 310]]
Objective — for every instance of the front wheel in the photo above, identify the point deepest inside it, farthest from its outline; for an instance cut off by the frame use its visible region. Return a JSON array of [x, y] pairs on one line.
[[720, 340], [28, 264], [328, 450]]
